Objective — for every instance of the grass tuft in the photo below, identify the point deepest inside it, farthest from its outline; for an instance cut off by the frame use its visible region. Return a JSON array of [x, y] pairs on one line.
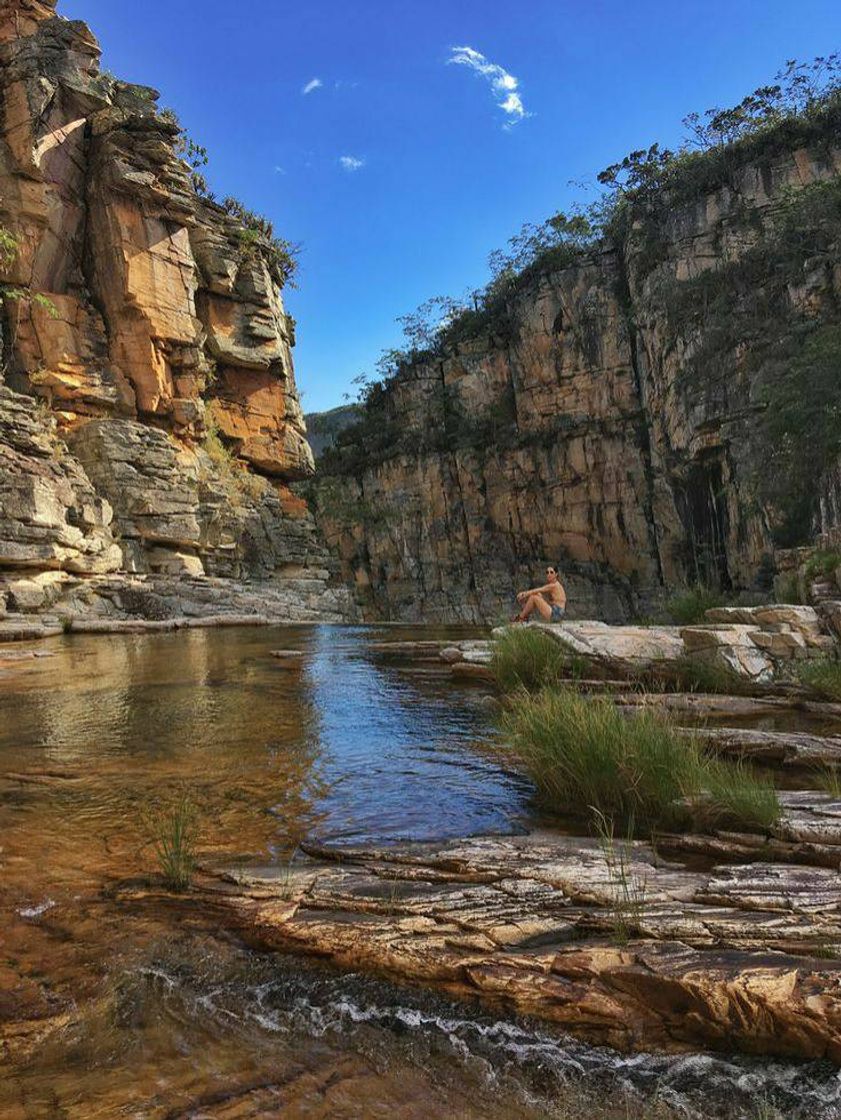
[[583, 753], [174, 833], [629, 892], [696, 674], [824, 562], [690, 606], [737, 797], [526, 658], [829, 780], [823, 676]]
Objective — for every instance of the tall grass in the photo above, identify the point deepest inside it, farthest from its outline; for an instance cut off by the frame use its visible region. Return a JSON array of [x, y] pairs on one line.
[[525, 658], [628, 891], [829, 780], [174, 833], [690, 606], [584, 754], [696, 674], [737, 796], [823, 676]]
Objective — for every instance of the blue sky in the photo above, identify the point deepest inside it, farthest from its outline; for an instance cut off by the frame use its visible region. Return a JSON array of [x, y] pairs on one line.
[[440, 180]]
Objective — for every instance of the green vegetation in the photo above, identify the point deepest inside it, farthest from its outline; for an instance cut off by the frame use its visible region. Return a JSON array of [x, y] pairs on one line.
[[690, 606], [174, 832], [333, 500], [823, 676], [256, 234], [235, 475], [8, 253], [740, 316], [737, 796], [739, 321], [801, 107], [629, 892], [829, 780], [697, 674], [825, 562], [789, 590], [526, 658], [583, 753]]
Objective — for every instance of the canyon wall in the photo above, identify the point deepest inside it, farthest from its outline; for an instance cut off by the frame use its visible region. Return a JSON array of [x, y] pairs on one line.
[[617, 417], [149, 420]]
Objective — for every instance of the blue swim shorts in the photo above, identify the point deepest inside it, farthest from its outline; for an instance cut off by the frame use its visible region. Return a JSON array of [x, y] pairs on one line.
[[557, 614]]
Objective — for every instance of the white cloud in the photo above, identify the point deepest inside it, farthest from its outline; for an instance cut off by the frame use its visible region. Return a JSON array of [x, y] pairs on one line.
[[503, 84], [312, 84], [351, 163]]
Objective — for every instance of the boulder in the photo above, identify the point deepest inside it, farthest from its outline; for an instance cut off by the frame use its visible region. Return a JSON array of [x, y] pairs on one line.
[[731, 647]]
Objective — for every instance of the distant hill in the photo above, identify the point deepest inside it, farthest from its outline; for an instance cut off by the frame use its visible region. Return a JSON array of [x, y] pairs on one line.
[[323, 427]]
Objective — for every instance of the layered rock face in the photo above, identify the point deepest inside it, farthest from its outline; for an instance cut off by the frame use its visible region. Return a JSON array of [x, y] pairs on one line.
[[610, 422], [149, 420]]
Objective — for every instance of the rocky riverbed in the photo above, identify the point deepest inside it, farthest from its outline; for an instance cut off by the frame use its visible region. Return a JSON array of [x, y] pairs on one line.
[[400, 847]]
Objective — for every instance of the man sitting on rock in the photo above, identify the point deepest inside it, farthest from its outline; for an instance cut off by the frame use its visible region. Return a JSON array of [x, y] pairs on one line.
[[550, 601]]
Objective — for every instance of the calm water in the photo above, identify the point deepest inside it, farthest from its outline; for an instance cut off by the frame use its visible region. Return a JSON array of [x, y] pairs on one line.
[[168, 1017]]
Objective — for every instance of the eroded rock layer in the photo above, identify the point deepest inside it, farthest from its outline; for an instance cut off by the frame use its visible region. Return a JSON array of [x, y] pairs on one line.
[[613, 416], [149, 420], [738, 957]]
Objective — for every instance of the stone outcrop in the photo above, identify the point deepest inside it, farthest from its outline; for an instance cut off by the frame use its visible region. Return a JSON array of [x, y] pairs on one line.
[[149, 420], [732, 958], [752, 644], [607, 418]]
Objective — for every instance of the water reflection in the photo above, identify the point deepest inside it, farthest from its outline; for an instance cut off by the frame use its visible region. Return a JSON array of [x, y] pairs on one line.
[[397, 751], [337, 742]]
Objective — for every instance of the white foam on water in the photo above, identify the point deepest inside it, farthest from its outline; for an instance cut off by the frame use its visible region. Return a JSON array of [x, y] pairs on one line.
[[37, 911], [697, 1086]]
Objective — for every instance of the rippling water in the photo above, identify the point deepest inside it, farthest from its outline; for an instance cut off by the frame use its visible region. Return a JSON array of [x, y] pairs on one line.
[[167, 1017]]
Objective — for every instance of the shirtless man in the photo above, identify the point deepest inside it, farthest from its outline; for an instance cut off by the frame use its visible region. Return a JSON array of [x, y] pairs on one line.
[[549, 601]]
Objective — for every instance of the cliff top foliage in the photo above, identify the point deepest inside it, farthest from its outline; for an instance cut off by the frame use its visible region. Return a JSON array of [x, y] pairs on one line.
[[256, 233], [802, 106]]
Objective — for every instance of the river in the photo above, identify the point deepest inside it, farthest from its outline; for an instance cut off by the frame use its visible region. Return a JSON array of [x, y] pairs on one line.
[[158, 1013]]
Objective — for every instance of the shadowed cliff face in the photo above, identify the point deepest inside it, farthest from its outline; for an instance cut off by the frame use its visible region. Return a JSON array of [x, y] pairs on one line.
[[149, 419], [615, 419]]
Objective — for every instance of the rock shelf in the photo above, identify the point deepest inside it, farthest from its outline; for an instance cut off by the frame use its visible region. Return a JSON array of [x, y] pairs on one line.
[[737, 957]]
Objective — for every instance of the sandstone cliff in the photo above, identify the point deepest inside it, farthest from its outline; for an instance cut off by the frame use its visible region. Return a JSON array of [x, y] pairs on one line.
[[618, 415], [149, 420]]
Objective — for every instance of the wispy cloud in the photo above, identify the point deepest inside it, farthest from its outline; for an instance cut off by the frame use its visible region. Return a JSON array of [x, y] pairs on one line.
[[351, 163], [503, 84], [312, 84]]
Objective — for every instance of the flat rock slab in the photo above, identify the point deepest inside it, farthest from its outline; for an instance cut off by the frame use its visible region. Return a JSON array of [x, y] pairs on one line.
[[146, 625], [703, 704], [19, 630], [426, 648], [810, 817], [730, 958], [773, 748], [620, 648]]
